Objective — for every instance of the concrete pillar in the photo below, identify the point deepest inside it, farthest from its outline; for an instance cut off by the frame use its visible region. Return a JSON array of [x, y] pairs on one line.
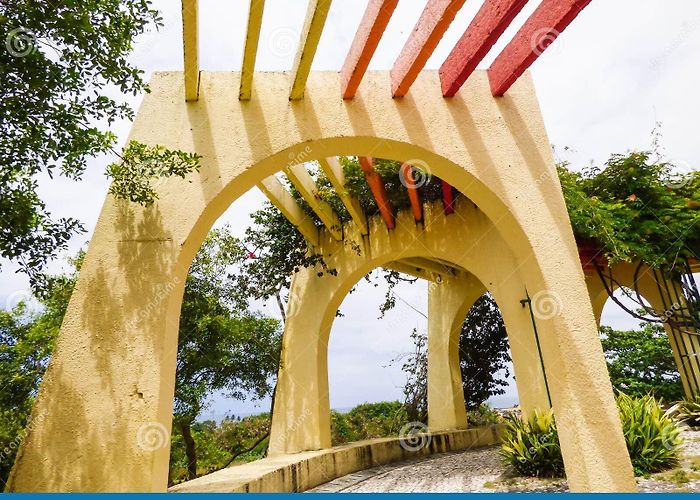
[[448, 304]]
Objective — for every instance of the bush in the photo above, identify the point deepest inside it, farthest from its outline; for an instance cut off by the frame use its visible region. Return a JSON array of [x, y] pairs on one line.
[[532, 446], [368, 421], [652, 437], [688, 411], [482, 415]]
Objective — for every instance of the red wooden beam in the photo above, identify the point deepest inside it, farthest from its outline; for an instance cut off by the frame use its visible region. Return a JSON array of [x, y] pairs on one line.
[[410, 183], [539, 31], [432, 24], [367, 37], [376, 185], [448, 200], [486, 28]]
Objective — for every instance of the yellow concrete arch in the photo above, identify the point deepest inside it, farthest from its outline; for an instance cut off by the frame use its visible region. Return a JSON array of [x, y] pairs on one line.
[[661, 295], [301, 420], [103, 414]]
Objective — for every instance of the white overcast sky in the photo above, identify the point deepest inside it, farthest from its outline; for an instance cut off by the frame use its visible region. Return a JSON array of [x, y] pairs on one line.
[[622, 66]]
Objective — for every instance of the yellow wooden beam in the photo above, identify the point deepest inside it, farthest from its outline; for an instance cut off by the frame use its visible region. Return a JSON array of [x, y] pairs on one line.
[[334, 171], [190, 42], [283, 200], [316, 14], [252, 37], [305, 184], [414, 271]]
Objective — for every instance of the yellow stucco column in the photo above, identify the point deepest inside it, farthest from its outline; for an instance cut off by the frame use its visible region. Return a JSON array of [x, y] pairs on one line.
[[665, 297], [448, 303]]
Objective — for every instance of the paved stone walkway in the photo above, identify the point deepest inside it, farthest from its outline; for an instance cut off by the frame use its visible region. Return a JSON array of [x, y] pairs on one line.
[[481, 470]]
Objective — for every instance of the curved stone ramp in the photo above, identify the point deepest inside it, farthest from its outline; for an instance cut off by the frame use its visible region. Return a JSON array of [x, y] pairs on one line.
[[302, 471]]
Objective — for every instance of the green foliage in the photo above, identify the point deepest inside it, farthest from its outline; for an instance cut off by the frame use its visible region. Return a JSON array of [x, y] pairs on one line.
[[140, 165], [652, 436], [641, 361], [58, 61], [531, 445], [483, 415], [368, 421], [688, 411], [635, 209]]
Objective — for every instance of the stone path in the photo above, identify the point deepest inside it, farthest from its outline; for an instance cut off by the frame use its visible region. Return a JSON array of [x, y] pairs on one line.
[[481, 470]]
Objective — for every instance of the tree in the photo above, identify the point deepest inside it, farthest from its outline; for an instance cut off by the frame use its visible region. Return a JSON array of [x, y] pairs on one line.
[[483, 360], [641, 361], [59, 63]]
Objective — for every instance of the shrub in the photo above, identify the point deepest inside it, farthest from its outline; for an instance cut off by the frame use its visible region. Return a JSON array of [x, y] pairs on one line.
[[688, 411], [652, 436], [368, 421], [531, 445], [482, 415]]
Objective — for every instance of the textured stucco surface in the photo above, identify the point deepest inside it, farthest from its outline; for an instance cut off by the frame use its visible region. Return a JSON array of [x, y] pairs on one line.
[[111, 377]]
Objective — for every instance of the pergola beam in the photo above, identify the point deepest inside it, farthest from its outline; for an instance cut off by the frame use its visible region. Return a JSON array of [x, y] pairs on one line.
[[334, 171], [285, 202], [305, 184], [404, 268], [250, 51], [313, 28], [427, 33], [367, 37], [483, 32], [376, 185], [413, 196], [190, 48], [544, 25]]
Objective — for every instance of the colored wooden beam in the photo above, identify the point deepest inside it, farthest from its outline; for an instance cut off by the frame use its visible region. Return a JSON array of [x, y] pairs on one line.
[[448, 201], [250, 50], [285, 202], [427, 33], [316, 15], [190, 48], [305, 184], [376, 185], [367, 37], [413, 195], [545, 24], [483, 32], [414, 271], [334, 171]]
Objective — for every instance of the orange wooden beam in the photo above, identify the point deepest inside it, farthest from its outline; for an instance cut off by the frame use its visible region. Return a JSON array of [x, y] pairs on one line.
[[427, 33], [543, 27], [448, 201], [376, 185], [410, 183], [367, 37]]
